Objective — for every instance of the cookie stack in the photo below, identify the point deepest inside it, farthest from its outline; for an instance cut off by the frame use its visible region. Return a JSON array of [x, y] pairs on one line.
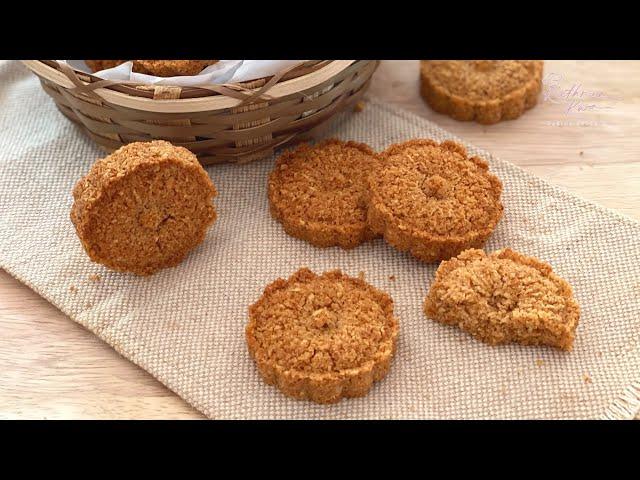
[[430, 199]]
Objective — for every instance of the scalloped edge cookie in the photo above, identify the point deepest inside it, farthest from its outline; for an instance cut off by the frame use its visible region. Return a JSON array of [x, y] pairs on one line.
[[422, 244], [487, 112], [325, 387]]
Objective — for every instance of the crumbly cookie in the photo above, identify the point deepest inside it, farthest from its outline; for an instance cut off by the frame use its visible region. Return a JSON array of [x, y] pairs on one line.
[[171, 68], [318, 192], [97, 65], [159, 68], [504, 297], [433, 200], [322, 337], [144, 207], [486, 91]]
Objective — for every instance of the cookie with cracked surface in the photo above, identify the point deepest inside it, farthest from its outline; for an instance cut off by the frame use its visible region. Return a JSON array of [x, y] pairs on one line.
[[159, 68], [318, 192], [322, 337], [504, 297], [486, 91], [433, 200], [144, 207]]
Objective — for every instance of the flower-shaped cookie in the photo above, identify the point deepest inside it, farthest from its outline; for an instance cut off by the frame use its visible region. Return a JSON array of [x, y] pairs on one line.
[[433, 200], [486, 91], [322, 337]]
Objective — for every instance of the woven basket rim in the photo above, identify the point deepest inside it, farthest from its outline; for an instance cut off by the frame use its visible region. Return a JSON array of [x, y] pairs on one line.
[[129, 97], [306, 66]]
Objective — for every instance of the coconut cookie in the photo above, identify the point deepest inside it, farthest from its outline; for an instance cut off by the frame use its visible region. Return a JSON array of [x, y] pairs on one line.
[[319, 192], [98, 65], [504, 297], [486, 91], [144, 207], [322, 337], [159, 68], [433, 200]]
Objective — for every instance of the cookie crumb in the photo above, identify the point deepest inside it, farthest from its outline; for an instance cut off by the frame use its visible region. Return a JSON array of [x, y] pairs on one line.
[[361, 275], [94, 278], [539, 362], [359, 106], [73, 289], [587, 378], [581, 153], [392, 278]]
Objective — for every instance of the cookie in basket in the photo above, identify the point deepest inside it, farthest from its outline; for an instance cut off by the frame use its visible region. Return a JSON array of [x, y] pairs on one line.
[[318, 192], [159, 68], [486, 91], [322, 337], [433, 200], [504, 297], [144, 207]]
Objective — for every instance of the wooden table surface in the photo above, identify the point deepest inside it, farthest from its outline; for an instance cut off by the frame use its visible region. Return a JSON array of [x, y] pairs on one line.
[[583, 136]]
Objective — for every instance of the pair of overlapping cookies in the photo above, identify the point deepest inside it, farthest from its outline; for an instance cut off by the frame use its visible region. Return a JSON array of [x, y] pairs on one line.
[[329, 336]]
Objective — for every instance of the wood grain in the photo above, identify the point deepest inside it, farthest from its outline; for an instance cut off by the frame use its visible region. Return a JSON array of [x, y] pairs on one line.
[[53, 368]]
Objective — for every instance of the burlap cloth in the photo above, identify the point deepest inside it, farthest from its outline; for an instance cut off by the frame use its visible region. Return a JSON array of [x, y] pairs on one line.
[[186, 325]]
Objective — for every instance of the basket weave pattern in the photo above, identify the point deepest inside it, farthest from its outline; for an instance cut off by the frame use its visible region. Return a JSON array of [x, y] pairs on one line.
[[219, 123]]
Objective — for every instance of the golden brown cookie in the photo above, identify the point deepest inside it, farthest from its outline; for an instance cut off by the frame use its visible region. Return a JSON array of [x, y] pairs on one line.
[[504, 297], [322, 337], [171, 68], [486, 91], [433, 200], [318, 192], [159, 68], [97, 65], [144, 207]]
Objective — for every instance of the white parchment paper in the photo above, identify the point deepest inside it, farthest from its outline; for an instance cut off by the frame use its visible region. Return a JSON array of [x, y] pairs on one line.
[[224, 71]]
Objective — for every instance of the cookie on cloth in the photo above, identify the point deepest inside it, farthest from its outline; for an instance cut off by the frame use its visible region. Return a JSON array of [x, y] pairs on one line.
[[318, 192], [433, 200], [504, 297], [322, 337], [486, 91], [144, 207], [159, 68]]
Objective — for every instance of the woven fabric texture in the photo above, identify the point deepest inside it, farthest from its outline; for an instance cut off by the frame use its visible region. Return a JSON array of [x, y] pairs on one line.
[[185, 325]]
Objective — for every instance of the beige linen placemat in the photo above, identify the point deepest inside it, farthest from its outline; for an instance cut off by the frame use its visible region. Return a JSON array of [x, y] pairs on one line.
[[186, 325]]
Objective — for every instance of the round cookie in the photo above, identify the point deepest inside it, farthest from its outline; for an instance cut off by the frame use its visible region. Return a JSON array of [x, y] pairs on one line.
[[433, 200], [97, 65], [322, 337], [486, 91], [144, 207], [504, 297], [171, 68], [159, 68], [319, 192]]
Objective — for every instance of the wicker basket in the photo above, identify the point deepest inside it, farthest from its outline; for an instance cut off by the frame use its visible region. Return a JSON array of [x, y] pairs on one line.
[[220, 123]]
